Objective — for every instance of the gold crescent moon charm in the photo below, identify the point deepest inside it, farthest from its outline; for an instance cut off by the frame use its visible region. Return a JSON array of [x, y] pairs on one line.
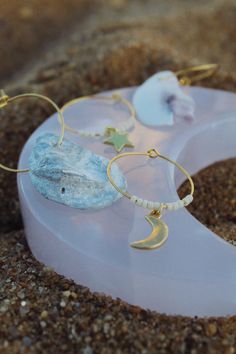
[[158, 235]]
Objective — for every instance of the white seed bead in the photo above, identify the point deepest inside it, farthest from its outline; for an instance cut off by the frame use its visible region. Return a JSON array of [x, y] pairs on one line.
[[180, 204], [87, 134], [175, 206], [141, 202], [188, 199], [157, 205], [144, 203], [169, 206], [134, 199], [150, 205], [123, 127]]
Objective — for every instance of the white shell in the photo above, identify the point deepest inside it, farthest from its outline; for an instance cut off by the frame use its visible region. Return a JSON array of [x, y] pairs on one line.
[[160, 100]]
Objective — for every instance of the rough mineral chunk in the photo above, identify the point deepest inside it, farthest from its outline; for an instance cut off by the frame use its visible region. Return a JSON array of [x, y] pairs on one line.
[[72, 175]]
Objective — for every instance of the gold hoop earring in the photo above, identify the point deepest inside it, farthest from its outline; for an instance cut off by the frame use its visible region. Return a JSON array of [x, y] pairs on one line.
[[160, 230], [118, 137], [64, 172], [5, 100], [196, 73]]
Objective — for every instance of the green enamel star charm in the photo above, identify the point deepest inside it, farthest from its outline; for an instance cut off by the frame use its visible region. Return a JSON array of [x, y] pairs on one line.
[[118, 139]]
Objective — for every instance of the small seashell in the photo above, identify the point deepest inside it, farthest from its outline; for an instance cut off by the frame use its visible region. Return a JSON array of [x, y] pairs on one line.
[[160, 101]]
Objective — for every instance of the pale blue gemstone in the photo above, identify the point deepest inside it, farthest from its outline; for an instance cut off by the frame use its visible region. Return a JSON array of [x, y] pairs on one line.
[[72, 175]]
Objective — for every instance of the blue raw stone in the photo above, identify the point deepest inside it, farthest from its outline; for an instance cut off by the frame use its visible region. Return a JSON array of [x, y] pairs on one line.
[[71, 175]]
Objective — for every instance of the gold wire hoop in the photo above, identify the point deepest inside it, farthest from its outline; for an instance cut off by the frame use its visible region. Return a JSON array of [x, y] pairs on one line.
[[114, 97], [152, 153], [5, 99], [198, 73]]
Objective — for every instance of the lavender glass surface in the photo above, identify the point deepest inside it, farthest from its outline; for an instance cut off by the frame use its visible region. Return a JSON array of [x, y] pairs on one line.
[[194, 273]]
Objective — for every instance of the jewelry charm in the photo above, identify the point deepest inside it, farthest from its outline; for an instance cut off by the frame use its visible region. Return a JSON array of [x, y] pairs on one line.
[[159, 232], [158, 235], [118, 137]]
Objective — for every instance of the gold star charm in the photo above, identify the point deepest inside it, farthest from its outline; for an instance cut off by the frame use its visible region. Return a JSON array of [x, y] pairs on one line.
[[118, 139]]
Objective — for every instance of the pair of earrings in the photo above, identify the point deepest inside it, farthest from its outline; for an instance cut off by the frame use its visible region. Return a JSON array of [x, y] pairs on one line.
[[69, 174]]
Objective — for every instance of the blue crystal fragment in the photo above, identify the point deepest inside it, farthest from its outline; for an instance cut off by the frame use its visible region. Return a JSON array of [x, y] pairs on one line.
[[72, 175]]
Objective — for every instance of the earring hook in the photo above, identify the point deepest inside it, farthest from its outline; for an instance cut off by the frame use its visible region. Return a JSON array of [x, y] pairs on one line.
[[5, 99], [196, 73]]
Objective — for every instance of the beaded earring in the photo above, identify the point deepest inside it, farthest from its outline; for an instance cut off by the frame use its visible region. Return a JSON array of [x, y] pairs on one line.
[[116, 136], [159, 229]]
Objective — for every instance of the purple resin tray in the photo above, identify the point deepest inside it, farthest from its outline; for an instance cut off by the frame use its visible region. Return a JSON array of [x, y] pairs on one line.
[[194, 272]]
